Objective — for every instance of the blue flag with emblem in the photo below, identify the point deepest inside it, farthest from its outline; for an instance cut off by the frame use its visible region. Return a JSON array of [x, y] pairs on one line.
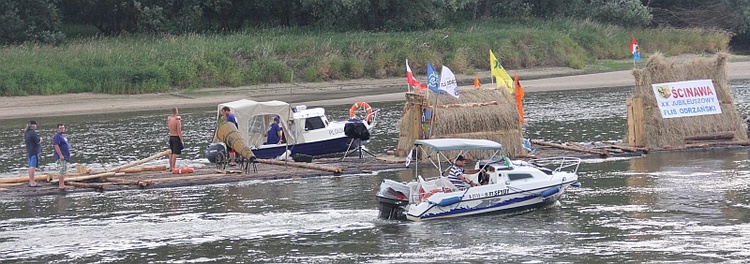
[[433, 78]]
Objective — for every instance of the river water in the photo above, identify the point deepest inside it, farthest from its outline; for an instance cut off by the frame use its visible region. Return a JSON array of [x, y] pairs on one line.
[[666, 207]]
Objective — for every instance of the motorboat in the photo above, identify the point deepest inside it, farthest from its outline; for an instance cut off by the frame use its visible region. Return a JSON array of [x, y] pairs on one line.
[[305, 131], [512, 186]]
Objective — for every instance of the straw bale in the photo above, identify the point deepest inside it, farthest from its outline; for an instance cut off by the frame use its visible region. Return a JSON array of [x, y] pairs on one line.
[[670, 132], [478, 113]]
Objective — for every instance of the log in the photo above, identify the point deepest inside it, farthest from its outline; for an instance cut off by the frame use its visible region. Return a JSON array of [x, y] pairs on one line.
[[563, 147], [144, 168], [626, 148], [88, 177], [303, 165], [22, 179], [717, 144], [139, 162], [712, 136], [466, 105], [183, 178], [97, 186]]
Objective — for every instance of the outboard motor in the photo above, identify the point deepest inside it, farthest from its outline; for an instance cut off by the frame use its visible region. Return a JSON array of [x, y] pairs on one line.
[[392, 199], [216, 150]]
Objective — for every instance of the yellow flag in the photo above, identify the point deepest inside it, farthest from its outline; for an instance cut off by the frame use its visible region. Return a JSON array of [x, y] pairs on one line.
[[502, 77]]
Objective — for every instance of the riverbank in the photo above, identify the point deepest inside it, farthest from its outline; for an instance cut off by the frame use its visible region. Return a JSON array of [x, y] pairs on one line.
[[314, 94]]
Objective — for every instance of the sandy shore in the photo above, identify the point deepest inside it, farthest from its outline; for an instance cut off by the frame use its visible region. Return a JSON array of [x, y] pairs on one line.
[[313, 94]]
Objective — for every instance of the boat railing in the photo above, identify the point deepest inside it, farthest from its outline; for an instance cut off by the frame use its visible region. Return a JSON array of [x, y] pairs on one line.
[[559, 164]]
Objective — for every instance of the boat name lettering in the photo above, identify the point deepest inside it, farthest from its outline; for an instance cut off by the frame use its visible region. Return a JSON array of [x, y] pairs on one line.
[[335, 131], [489, 194]]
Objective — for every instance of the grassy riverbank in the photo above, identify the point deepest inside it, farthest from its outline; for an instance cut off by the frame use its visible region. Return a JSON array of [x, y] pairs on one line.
[[129, 65]]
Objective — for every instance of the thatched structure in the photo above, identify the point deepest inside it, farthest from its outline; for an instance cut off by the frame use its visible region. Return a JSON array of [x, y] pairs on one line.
[[478, 113], [647, 128]]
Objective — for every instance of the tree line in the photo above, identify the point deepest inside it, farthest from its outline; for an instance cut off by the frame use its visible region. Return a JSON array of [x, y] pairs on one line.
[[43, 21]]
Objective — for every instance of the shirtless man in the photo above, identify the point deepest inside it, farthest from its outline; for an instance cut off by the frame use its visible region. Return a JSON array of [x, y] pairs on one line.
[[176, 143]]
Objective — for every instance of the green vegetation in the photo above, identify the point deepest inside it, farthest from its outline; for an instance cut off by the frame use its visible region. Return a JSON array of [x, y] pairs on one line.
[[144, 64]]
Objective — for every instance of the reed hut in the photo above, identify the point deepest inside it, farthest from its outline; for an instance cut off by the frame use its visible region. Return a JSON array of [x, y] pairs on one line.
[[478, 113], [647, 127]]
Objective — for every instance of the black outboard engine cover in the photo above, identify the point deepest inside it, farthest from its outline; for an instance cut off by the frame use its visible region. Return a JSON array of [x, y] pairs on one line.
[[214, 149], [356, 130]]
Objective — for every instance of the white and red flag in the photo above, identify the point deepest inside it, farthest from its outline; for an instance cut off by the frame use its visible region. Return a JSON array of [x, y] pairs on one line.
[[411, 80]]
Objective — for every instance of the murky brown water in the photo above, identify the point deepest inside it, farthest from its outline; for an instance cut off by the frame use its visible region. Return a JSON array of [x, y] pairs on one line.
[[666, 207]]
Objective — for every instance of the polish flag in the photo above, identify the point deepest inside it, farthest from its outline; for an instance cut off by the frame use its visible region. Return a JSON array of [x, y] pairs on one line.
[[411, 80]]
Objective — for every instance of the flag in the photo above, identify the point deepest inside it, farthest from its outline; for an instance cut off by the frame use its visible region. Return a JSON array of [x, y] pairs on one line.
[[411, 80], [448, 82], [635, 50], [519, 97], [476, 82], [502, 77], [433, 79]]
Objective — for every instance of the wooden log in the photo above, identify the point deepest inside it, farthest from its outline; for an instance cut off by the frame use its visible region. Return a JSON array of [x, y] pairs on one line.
[[563, 147], [303, 165], [466, 105], [22, 179], [712, 136], [139, 162], [97, 186], [717, 144], [627, 148], [144, 168], [88, 177]]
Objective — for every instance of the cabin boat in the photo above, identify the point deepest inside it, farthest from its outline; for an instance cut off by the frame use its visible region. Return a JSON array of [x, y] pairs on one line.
[[304, 131], [512, 186]]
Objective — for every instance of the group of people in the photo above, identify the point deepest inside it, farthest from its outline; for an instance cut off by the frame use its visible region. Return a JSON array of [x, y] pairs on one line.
[[34, 150], [176, 144]]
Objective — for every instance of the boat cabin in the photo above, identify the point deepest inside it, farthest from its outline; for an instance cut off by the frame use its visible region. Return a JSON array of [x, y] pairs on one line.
[[298, 123]]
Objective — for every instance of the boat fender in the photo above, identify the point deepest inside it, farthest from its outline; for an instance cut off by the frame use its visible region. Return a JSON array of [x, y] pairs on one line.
[[576, 184], [183, 170], [448, 201], [551, 191]]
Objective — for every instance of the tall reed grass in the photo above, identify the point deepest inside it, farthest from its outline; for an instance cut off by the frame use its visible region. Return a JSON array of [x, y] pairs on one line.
[[145, 64]]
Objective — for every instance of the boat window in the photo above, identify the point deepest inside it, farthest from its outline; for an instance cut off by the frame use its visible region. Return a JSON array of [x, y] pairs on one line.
[[256, 125], [314, 123], [519, 176]]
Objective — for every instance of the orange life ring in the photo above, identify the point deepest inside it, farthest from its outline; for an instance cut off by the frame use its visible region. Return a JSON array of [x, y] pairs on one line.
[[357, 105]]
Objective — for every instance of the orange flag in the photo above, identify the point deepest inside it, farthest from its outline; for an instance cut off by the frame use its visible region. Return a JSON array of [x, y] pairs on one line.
[[476, 82], [519, 96]]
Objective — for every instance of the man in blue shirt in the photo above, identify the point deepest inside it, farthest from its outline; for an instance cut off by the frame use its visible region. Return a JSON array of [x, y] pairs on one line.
[[274, 132], [33, 149], [62, 154], [228, 116]]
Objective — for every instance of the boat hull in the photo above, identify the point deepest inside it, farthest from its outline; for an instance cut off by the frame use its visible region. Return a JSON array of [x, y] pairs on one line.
[[318, 148], [460, 203]]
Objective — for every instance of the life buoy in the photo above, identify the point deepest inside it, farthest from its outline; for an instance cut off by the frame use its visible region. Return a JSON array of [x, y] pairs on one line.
[[357, 105]]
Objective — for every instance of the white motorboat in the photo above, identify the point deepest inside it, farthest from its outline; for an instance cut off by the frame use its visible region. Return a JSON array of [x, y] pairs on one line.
[[304, 131], [512, 185]]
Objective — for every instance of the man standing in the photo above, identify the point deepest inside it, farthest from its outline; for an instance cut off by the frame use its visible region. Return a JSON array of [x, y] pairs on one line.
[[33, 149], [230, 117], [176, 142], [62, 154]]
